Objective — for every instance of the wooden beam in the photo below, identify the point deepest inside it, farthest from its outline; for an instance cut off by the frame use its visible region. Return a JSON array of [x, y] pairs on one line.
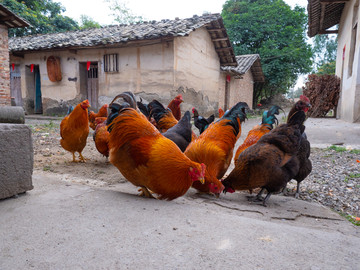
[[328, 32], [223, 49], [322, 16], [216, 30], [333, 1], [220, 39], [73, 51]]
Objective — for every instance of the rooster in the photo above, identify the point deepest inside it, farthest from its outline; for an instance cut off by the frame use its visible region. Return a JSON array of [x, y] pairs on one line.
[[214, 147], [74, 130], [101, 113], [148, 159], [200, 122], [174, 106], [271, 162], [268, 119], [164, 118], [101, 136]]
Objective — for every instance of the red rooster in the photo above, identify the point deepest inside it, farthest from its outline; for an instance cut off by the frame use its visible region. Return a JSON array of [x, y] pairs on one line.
[[101, 136], [148, 159], [74, 130], [174, 106], [214, 147], [101, 113]]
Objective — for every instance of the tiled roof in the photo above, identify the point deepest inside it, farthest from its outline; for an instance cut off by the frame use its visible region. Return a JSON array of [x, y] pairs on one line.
[[125, 35], [246, 62], [324, 15], [10, 19]]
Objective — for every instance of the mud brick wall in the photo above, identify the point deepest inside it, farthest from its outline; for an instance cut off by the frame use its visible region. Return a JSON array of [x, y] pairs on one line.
[[16, 159], [5, 98]]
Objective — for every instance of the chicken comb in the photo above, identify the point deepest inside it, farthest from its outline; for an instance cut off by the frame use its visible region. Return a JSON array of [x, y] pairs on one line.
[[305, 98]]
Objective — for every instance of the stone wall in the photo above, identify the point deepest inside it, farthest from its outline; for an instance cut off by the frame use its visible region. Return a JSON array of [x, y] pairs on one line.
[[16, 159], [5, 98]]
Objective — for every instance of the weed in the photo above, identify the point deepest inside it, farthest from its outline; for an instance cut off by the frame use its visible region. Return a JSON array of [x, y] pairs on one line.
[[355, 151], [354, 175], [354, 220], [47, 168], [336, 148]]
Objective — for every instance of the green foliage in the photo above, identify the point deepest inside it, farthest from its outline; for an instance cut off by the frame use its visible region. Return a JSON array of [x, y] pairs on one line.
[[43, 15], [277, 33], [122, 14], [327, 68], [88, 22], [336, 148], [324, 49]]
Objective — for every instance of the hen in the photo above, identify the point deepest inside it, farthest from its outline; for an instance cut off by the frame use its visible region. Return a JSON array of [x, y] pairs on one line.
[[268, 119], [101, 136], [74, 130], [181, 133], [148, 159], [304, 151], [271, 162], [101, 113], [174, 106], [200, 122], [214, 147]]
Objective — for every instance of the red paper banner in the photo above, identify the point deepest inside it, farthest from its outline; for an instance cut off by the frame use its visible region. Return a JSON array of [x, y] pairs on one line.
[[88, 65], [32, 67], [13, 66], [228, 77]]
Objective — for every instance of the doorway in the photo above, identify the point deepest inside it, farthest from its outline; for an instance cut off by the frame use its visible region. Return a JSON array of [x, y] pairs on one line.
[[89, 83], [15, 86]]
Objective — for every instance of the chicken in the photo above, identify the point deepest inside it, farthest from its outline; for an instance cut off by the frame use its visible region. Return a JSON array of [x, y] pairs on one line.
[[101, 136], [214, 147], [221, 112], [143, 107], [163, 117], [268, 119], [271, 162], [101, 113], [74, 130], [200, 122], [181, 133], [147, 159], [174, 106], [304, 151]]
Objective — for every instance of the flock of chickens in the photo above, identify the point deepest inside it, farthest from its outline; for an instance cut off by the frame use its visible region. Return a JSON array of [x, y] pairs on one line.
[[155, 148]]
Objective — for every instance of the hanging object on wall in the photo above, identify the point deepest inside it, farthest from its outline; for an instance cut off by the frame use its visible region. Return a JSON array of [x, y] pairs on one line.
[[13, 66], [32, 67], [88, 65], [228, 77], [54, 68]]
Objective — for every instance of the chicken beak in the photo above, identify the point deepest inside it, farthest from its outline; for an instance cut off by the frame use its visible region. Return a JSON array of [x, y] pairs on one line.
[[202, 180]]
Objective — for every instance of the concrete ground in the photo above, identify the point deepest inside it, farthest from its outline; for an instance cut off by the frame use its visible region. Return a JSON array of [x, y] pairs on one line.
[[62, 225]]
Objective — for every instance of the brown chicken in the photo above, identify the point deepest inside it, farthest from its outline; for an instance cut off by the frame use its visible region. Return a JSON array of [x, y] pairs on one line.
[[101, 136], [148, 159], [271, 162], [268, 119], [74, 130], [214, 147], [101, 113], [174, 106]]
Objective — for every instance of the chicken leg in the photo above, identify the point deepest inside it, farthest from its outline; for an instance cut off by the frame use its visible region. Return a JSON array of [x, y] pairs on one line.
[[145, 193]]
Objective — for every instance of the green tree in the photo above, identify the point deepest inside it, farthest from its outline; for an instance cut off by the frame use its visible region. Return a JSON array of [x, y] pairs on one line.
[[88, 22], [121, 13], [325, 49], [44, 16], [277, 33]]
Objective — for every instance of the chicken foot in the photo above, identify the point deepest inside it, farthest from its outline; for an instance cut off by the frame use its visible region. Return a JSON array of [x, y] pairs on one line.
[[81, 158], [145, 193]]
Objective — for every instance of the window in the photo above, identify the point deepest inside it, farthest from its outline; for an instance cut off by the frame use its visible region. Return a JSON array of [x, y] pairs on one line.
[[111, 63]]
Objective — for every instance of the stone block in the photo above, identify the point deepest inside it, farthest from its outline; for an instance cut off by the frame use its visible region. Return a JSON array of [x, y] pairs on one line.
[[16, 159]]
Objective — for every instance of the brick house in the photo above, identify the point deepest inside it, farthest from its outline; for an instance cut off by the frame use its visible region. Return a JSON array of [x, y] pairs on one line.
[[7, 20], [155, 60], [323, 16], [239, 86]]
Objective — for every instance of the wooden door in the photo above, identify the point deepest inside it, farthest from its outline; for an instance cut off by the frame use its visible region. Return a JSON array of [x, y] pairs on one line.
[[15, 86], [227, 95], [92, 85]]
